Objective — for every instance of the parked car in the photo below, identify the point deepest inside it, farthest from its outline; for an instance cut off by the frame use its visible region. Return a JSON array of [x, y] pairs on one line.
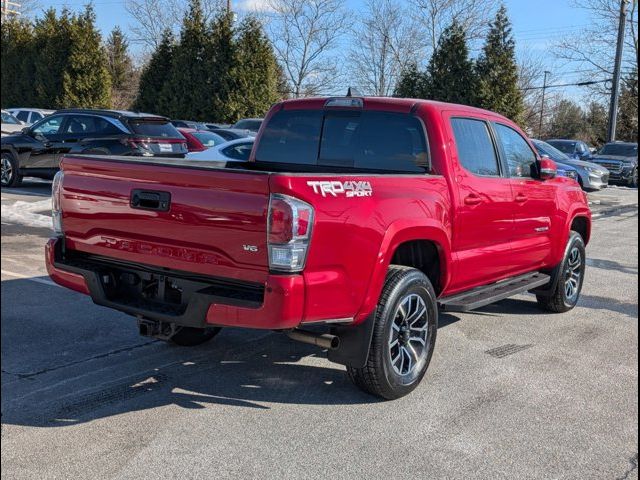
[[233, 133], [252, 124], [345, 218], [200, 140], [189, 124], [10, 124], [575, 149], [591, 176], [29, 116], [621, 159], [36, 151], [233, 151], [215, 126]]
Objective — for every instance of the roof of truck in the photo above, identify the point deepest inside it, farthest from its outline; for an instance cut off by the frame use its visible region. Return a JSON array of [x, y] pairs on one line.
[[388, 103]]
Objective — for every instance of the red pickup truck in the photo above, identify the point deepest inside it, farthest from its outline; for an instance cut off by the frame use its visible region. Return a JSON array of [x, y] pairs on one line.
[[353, 223]]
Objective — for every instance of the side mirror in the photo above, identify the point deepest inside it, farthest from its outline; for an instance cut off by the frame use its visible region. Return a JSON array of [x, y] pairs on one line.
[[26, 130], [547, 168]]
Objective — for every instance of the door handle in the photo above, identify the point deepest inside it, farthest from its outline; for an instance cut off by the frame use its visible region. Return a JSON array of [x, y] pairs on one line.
[[521, 198], [473, 200]]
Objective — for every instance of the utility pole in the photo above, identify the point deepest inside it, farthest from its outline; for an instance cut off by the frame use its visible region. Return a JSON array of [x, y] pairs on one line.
[[228, 7], [544, 91], [615, 88]]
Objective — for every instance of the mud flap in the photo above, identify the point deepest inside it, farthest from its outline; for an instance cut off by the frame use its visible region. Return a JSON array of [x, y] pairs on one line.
[[355, 342]]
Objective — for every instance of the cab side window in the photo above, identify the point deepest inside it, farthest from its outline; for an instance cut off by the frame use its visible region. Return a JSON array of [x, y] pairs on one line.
[[476, 151], [519, 156], [22, 115], [50, 126]]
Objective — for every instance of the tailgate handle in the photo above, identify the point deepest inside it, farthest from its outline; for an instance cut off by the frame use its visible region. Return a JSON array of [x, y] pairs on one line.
[[150, 200]]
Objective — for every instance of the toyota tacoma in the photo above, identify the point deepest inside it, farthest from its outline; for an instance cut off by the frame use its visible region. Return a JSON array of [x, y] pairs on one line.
[[352, 224]]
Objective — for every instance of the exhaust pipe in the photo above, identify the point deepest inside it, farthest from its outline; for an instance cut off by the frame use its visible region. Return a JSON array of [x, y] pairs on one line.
[[322, 340]]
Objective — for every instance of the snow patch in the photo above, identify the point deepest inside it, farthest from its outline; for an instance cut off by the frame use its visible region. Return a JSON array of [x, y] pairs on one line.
[[25, 213]]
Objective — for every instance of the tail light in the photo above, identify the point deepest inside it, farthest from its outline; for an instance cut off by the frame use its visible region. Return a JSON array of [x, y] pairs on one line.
[[289, 232], [56, 202], [137, 144]]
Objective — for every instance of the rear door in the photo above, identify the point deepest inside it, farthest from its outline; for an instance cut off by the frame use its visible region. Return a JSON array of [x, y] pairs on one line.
[[483, 222], [533, 203]]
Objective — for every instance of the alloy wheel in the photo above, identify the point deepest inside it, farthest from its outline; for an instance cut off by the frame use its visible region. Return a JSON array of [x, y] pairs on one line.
[[7, 171], [408, 342], [573, 275]]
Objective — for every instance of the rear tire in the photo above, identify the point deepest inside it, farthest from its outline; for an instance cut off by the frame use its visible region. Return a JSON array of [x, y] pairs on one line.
[[10, 176], [570, 278], [404, 336], [190, 337]]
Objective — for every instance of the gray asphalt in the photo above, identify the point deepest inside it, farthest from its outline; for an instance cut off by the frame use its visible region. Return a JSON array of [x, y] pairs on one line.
[[511, 392]]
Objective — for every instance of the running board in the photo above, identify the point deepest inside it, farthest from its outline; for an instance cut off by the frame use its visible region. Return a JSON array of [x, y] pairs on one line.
[[488, 294]]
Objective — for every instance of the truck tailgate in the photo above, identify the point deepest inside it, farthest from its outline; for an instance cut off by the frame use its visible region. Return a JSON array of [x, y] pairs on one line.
[[215, 223]]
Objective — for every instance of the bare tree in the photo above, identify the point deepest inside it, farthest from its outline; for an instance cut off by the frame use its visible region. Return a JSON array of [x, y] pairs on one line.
[[304, 34], [592, 48], [384, 41], [153, 17], [473, 15]]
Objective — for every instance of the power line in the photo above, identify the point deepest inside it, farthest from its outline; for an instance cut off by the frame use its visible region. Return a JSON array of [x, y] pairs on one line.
[[577, 84]]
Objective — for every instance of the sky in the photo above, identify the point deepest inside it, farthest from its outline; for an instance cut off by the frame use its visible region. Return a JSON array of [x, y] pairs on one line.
[[536, 24]]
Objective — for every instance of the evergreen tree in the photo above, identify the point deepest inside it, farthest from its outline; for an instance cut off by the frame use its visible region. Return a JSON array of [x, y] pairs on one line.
[[121, 71], [154, 78], [451, 74], [412, 83], [284, 89], [568, 120], [257, 72], [17, 63], [222, 63], [188, 81], [497, 71], [52, 48], [85, 78], [596, 120], [627, 129]]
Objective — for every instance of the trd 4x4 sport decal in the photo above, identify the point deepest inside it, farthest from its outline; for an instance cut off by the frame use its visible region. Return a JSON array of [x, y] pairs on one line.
[[355, 188]]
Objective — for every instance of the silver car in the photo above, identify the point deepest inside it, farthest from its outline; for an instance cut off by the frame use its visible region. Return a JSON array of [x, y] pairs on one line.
[[591, 176]]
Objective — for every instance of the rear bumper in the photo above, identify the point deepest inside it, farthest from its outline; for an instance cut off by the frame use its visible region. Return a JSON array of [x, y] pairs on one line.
[[276, 305]]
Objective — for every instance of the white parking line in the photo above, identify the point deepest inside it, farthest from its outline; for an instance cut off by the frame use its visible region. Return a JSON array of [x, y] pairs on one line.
[[44, 281]]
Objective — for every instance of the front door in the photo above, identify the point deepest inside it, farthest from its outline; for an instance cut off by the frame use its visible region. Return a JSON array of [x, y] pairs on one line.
[[533, 203], [46, 137]]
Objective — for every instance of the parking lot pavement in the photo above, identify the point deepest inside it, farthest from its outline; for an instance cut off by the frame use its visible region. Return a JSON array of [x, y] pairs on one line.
[[511, 392]]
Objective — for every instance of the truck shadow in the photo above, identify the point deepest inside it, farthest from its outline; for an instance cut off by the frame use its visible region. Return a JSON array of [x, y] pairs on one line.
[[66, 361], [227, 372]]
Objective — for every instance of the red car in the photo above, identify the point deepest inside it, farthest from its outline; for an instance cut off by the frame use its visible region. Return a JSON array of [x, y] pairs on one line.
[[200, 140], [362, 217]]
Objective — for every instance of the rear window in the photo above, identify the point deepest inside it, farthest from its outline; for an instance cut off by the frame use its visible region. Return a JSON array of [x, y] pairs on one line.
[[368, 140], [209, 139], [620, 149], [154, 128], [564, 147]]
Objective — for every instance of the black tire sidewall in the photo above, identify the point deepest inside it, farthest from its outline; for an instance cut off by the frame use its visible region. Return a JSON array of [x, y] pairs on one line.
[[574, 240], [415, 282]]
